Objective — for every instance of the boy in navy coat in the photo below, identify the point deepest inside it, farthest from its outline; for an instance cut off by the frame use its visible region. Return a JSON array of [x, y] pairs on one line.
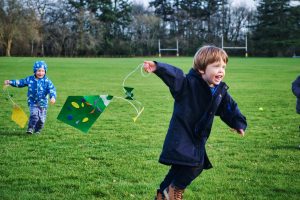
[[198, 97], [296, 91]]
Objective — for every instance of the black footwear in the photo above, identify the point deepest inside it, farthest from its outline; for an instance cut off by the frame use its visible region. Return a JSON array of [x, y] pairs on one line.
[[29, 131]]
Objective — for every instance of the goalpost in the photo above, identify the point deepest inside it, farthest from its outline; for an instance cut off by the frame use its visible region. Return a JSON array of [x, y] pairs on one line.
[[242, 47], [168, 49], [295, 54]]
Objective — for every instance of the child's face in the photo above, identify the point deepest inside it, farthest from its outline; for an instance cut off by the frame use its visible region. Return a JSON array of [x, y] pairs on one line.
[[214, 73], [40, 73]]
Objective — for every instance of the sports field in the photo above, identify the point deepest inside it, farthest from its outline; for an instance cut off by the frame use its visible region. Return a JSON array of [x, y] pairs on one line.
[[117, 159]]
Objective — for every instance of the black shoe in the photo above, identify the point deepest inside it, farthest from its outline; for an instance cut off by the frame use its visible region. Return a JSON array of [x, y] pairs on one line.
[[29, 131]]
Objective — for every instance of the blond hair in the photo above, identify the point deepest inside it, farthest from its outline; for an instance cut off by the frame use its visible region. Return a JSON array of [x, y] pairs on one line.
[[207, 55]]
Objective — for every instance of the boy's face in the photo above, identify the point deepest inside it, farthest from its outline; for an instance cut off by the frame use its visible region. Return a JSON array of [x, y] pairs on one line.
[[40, 73], [214, 73]]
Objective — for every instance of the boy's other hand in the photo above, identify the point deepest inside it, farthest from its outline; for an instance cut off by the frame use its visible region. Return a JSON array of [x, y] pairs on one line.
[[239, 131], [52, 100], [149, 66]]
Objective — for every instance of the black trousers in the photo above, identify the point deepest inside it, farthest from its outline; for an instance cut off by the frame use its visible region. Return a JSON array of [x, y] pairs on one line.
[[180, 176]]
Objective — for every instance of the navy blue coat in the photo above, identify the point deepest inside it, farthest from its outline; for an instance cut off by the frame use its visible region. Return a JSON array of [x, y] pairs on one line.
[[296, 91], [193, 114]]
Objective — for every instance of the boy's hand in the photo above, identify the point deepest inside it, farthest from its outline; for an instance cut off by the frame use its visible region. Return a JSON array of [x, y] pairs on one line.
[[6, 82], [149, 66], [239, 131], [52, 100]]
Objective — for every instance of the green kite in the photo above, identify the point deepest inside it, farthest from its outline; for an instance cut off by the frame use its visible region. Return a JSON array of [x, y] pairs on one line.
[[82, 111]]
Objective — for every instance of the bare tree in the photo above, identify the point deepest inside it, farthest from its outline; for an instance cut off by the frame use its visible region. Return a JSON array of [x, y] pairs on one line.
[[40, 7], [10, 19], [144, 31]]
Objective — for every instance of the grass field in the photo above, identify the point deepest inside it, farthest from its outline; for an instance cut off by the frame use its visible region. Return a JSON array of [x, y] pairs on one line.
[[117, 159]]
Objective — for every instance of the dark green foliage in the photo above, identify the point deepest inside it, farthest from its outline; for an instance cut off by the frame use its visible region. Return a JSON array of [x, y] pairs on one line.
[[277, 29], [126, 28]]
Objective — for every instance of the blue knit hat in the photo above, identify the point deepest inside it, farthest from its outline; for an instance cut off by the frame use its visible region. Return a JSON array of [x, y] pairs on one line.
[[39, 64]]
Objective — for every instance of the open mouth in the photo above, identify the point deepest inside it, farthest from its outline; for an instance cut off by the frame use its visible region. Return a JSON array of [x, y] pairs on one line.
[[218, 78]]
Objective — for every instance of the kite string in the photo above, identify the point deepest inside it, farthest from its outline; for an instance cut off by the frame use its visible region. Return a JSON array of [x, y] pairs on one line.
[[5, 91], [140, 108], [140, 66], [137, 111]]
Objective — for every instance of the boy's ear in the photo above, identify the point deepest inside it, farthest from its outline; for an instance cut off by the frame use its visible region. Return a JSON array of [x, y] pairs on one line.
[[201, 71]]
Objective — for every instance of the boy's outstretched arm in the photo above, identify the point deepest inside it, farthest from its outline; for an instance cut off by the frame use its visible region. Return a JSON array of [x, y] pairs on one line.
[[231, 115], [172, 76]]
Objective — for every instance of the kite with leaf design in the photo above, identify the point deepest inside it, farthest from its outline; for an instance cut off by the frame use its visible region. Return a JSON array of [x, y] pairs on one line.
[[82, 111]]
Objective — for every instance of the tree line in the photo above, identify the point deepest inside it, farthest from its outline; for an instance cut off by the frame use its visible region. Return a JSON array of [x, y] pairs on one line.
[[121, 28]]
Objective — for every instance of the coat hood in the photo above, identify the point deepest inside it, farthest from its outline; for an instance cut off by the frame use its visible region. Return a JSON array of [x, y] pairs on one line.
[[40, 64]]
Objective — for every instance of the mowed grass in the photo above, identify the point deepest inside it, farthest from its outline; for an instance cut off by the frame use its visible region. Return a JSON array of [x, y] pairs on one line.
[[117, 159]]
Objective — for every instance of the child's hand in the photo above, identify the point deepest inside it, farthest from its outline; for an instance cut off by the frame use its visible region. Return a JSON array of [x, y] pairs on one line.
[[239, 131], [149, 66], [6, 82], [52, 100]]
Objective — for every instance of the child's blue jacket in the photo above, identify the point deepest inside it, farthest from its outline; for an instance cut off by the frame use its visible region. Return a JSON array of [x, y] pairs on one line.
[[193, 114], [38, 90], [296, 91]]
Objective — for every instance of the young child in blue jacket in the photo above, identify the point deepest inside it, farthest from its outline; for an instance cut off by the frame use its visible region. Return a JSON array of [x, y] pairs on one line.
[[198, 97], [39, 87]]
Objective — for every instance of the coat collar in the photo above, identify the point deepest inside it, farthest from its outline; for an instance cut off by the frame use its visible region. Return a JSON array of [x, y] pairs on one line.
[[195, 74]]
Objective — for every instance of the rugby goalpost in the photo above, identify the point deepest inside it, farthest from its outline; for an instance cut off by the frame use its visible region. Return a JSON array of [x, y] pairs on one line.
[[241, 47], [295, 56], [168, 49]]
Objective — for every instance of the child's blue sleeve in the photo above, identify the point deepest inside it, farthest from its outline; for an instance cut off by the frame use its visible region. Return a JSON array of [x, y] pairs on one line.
[[230, 113], [52, 89], [19, 83], [172, 76]]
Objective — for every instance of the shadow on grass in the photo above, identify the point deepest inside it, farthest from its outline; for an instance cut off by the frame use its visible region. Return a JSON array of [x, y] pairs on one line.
[[14, 133], [287, 147]]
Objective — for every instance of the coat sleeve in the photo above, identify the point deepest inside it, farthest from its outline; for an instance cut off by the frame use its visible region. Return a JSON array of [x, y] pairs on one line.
[[172, 76], [230, 113], [19, 83], [52, 89], [296, 87]]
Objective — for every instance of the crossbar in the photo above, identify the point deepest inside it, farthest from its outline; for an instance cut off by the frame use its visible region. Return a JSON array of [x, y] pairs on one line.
[[168, 49]]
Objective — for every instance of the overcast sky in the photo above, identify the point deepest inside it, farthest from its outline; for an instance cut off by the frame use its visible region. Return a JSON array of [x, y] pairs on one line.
[[248, 3]]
